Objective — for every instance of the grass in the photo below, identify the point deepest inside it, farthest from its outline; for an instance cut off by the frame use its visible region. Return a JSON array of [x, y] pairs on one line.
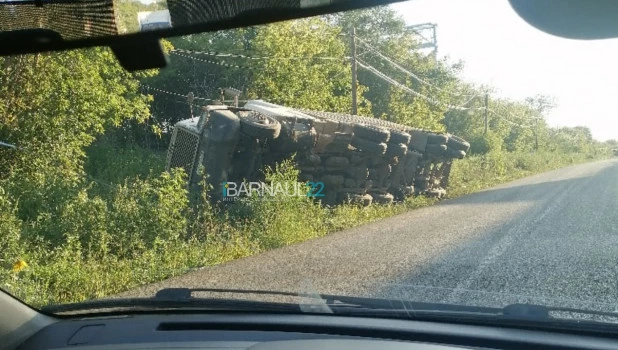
[[141, 230]]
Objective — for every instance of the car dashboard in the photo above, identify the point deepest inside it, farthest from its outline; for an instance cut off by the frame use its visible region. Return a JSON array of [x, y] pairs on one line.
[[284, 331]]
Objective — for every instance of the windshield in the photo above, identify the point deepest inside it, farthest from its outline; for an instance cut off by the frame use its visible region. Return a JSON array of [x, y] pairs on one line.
[[427, 151]]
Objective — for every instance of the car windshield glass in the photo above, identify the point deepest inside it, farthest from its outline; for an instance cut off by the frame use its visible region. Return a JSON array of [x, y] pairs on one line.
[[440, 153]]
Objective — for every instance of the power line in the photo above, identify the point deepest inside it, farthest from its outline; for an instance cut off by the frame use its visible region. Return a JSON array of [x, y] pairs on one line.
[[398, 66], [210, 62], [508, 121], [148, 88], [185, 96], [407, 89]]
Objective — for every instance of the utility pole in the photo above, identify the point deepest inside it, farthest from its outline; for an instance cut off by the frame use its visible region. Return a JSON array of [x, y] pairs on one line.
[[190, 99], [435, 45], [486, 111], [354, 78], [536, 133]]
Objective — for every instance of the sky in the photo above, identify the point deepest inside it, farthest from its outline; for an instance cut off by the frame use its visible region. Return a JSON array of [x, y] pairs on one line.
[[502, 50]]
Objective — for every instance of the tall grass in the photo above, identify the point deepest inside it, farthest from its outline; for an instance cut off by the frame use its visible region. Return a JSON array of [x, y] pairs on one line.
[[139, 227]]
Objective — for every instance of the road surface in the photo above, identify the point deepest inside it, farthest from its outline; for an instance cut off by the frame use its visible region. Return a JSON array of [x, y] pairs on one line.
[[551, 238]]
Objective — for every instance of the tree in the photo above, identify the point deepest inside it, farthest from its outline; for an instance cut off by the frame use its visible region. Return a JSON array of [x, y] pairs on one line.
[[382, 37], [55, 106], [305, 67]]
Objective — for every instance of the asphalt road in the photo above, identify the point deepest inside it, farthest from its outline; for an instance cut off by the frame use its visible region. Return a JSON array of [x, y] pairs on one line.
[[551, 238]]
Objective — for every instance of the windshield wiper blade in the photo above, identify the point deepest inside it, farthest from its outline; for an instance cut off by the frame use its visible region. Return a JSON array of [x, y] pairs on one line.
[[528, 311], [187, 293], [157, 304], [183, 299]]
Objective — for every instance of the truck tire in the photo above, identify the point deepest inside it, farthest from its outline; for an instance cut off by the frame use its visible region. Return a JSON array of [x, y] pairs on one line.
[[365, 200], [356, 158], [396, 150], [436, 193], [383, 198], [358, 174], [314, 159], [408, 191], [421, 185], [307, 169], [457, 154], [383, 170], [435, 149], [259, 125], [437, 139], [355, 198], [418, 140], [349, 183], [398, 194], [305, 177], [400, 137], [371, 133], [336, 162], [457, 143], [332, 180], [369, 146]]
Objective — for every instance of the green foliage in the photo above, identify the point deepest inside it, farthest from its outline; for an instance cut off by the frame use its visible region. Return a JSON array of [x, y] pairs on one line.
[[110, 162], [88, 209], [10, 230], [280, 220], [56, 104], [482, 144], [295, 75]]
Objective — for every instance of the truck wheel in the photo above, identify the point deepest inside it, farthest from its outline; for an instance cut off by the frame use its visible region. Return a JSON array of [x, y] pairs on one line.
[[408, 190], [362, 199], [332, 180], [457, 143], [398, 193], [358, 174], [435, 149], [437, 139], [349, 183], [396, 150], [314, 159], [383, 198], [259, 125], [457, 154], [369, 146], [371, 133], [400, 137], [305, 177], [356, 199], [419, 140], [336, 162], [436, 193]]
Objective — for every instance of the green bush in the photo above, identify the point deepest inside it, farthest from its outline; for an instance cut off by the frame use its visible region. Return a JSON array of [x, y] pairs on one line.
[[144, 230], [482, 144], [110, 163], [11, 249]]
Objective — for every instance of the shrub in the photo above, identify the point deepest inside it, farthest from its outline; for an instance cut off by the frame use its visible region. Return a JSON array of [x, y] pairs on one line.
[[482, 144]]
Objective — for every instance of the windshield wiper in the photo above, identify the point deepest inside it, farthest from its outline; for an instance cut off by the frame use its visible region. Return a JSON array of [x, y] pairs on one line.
[[167, 300], [184, 299], [511, 311]]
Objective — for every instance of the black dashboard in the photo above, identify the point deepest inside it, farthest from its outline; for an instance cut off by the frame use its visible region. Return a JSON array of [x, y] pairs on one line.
[[298, 332]]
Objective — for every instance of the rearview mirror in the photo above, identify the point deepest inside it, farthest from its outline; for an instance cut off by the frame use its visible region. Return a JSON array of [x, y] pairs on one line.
[[30, 26]]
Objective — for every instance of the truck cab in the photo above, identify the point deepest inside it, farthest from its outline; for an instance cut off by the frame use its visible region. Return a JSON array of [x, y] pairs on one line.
[[152, 20]]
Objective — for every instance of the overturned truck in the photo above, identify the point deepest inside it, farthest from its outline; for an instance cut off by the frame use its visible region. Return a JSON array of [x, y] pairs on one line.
[[357, 159]]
